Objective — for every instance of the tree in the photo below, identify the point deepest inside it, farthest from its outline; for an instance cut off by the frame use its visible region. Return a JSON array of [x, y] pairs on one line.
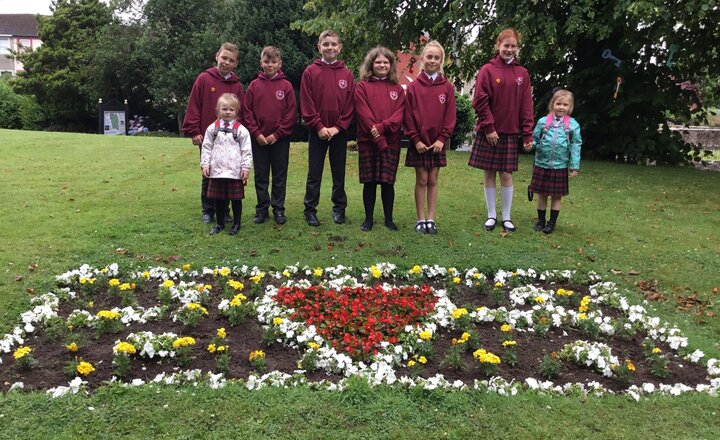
[[563, 46], [59, 73]]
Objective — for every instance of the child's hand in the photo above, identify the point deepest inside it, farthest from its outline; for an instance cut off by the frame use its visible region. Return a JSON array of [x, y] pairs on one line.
[[492, 138], [573, 173], [332, 131], [421, 147], [244, 174], [271, 139], [374, 132], [437, 146], [262, 140], [324, 134], [206, 171], [197, 139], [528, 147]]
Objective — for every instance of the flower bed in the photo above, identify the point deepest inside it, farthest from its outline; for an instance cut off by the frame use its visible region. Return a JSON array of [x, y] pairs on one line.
[[556, 332]]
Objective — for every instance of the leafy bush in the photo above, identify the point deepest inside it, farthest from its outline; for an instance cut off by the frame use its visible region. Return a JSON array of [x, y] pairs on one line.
[[10, 104], [465, 124]]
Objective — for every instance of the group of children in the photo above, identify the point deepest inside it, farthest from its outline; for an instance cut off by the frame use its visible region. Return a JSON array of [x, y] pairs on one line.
[[254, 127]]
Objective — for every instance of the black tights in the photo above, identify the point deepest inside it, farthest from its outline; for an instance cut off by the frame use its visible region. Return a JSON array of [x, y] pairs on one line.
[[388, 199], [221, 208]]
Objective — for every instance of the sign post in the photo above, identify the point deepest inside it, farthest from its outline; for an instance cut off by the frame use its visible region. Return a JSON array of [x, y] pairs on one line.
[[112, 117]]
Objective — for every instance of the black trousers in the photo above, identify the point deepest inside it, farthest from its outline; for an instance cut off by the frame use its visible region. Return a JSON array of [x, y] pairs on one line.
[[318, 149], [266, 159]]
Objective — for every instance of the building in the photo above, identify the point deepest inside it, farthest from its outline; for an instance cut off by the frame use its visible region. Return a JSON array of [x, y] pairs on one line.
[[18, 32]]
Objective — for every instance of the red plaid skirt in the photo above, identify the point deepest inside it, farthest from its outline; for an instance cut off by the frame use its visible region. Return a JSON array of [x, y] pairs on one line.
[[378, 166], [226, 189], [502, 157], [550, 182], [427, 159]]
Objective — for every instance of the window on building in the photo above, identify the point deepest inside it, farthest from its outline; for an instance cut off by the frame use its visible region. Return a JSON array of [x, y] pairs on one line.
[[24, 44], [5, 45]]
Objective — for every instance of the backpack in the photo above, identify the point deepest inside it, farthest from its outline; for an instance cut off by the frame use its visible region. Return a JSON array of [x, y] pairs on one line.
[[234, 130], [566, 125]]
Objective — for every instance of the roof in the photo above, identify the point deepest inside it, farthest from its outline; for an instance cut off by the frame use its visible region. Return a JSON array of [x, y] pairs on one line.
[[24, 25]]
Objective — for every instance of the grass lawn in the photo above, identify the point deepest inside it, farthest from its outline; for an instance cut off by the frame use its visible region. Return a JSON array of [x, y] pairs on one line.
[[70, 199]]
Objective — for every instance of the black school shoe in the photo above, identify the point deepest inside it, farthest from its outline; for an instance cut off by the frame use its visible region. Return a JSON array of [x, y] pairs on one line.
[[510, 228], [280, 218], [549, 228], [216, 230], [490, 227], [431, 227], [312, 220], [338, 217], [540, 225], [234, 230], [260, 217]]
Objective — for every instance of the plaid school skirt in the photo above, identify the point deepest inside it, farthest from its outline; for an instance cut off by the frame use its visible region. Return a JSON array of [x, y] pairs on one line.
[[428, 159], [550, 182], [378, 166], [226, 189], [501, 157]]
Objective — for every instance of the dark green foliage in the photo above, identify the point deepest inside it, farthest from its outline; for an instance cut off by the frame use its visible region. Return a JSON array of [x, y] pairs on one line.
[[465, 122], [9, 107]]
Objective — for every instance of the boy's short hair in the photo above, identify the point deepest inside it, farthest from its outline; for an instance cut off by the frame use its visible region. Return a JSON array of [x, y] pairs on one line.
[[328, 33], [271, 52], [230, 48], [228, 99], [562, 93]]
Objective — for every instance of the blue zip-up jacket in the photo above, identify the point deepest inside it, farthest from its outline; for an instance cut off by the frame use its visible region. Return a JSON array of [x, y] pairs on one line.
[[557, 149]]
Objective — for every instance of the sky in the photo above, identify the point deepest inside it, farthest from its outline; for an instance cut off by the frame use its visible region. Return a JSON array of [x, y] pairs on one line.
[[25, 7]]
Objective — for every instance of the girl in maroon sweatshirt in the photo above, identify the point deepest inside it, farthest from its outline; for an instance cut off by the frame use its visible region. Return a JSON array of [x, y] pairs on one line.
[[429, 123], [503, 103], [269, 115], [379, 107]]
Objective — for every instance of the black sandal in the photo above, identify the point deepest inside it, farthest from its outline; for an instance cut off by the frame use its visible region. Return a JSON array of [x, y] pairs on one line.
[[490, 227], [509, 229]]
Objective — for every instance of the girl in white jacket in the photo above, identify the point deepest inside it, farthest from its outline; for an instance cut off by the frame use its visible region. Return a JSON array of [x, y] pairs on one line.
[[226, 160]]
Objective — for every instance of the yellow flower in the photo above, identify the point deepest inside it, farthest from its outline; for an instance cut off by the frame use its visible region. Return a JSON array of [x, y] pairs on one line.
[[196, 306], [485, 357], [425, 335], [318, 271], [313, 345], [225, 271], [464, 337], [456, 280], [286, 274], [561, 292], [183, 342], [477, 275], [222, 348], [509, 343], [411, 363], [375, 271], [168, 284], [237, 285], [499, 285], [656, 350], [505, 328], [145, 275], [84, 280], [277, 320], [582, 316], [458, 313], [212, 348], [21, 352], [124, 347], [104, 270], [539, 299], [237, 300], [114, 282], [221, 333], [84, 368], [108, 314], [72, 347], [186, 267], [422, 359], [416, 270], [630, 366], [127, 286], [256, 355], [255, 279]]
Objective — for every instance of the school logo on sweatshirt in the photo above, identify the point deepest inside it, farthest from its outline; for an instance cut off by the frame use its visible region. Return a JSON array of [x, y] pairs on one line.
[[519, 80], [394, 95], [280, 95], [442, 98], [342, 83]]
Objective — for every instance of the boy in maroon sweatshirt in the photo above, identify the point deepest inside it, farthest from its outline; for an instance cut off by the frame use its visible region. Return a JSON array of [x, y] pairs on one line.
[[326, 102], [200, 112], [269, 114]]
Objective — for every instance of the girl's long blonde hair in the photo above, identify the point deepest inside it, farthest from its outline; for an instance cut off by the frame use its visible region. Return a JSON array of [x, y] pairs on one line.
[[436, 44]]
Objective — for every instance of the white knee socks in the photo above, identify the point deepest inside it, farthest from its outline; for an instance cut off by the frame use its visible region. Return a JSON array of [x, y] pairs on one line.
[[490, 196], [506, 196]]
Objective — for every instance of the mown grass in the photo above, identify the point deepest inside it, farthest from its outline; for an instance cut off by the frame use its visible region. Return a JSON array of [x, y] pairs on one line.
[[71, 199]]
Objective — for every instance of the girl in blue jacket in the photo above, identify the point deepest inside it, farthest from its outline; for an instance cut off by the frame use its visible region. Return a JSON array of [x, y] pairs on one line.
[[557, 141]]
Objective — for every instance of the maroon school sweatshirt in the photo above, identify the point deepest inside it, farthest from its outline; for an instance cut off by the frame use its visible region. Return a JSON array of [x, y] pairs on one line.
[[326, 95], [430, 110], [382, 104], [503, 99], [206, 90], [269, 106]]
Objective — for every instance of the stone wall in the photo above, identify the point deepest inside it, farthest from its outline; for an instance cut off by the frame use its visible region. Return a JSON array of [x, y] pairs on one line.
[[709, 137]]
